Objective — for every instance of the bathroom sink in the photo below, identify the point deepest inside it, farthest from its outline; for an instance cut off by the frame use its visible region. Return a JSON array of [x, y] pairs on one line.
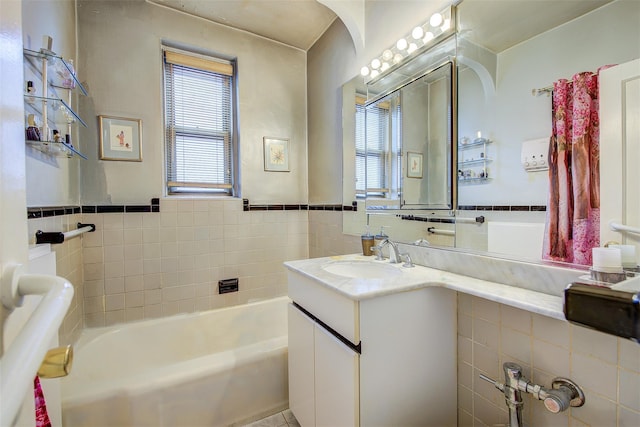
[[362, 269]]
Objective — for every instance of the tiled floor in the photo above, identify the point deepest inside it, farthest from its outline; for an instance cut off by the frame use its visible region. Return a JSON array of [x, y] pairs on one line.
[[281, 419]]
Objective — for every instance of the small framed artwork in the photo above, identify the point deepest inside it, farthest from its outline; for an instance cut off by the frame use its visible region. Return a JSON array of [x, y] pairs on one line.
[[414, 165], [120, 139], [276, 154]]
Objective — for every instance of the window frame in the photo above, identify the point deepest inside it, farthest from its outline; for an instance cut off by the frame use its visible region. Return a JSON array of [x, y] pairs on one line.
[[203, 62]]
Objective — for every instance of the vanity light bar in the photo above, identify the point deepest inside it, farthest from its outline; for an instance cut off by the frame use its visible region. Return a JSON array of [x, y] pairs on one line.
[[439, 26]]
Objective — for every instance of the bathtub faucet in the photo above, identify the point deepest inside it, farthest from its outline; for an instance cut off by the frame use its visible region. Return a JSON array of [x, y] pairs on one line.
[[394, 253]]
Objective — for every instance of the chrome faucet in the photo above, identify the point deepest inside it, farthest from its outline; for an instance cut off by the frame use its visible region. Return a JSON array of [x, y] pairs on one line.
[[562, 394], [394, 253]]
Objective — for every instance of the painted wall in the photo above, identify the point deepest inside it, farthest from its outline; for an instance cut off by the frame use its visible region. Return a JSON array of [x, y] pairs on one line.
[[52, 181], [121, 61]]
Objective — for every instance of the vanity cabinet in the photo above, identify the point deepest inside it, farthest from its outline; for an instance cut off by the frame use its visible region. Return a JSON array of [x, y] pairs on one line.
[[49, 117], [380, 361]]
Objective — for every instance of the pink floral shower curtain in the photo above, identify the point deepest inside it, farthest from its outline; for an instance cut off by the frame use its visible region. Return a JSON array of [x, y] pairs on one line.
[[573, 210]]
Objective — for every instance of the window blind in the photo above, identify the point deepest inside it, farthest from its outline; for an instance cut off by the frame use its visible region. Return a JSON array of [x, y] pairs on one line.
[[198, 123]]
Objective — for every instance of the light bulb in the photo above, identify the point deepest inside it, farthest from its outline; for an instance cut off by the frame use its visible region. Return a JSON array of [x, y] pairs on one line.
[[402, 44], [387, 55], [417, 33], [427, 37], [364, 71], [412, 47], [374, 73], [435, 20], [375, 64], [397, 58], [446, 25], [385, 66]]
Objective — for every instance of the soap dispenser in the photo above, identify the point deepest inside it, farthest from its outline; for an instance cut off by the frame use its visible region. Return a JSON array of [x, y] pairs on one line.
[[367, 243], [379, 238]]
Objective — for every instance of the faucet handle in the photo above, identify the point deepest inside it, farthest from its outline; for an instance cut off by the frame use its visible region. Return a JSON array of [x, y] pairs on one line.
[[407, 260], [378, 251], [497, 384]]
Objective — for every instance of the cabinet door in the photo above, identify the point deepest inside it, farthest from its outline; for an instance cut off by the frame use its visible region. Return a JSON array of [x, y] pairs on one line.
[[301, 371], [337, 382]]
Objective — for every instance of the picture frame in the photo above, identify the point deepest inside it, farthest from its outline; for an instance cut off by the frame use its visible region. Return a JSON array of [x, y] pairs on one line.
[[414, 165], [276, 154], [120, 138]]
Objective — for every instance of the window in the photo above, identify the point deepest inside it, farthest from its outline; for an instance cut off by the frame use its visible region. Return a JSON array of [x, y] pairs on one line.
[[199, 97]]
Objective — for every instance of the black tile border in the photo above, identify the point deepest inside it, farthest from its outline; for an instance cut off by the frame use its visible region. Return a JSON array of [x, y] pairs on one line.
[[247, 207], [49, 211], [503, 208], [45, 212]]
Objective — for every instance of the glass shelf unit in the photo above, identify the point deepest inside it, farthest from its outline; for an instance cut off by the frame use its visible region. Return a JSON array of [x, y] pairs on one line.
[[58, 111], [475, 162], [57, 149], [45, 108], [60, 75]]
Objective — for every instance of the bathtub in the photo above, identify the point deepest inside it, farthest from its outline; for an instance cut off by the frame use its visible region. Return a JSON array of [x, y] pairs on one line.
[[216, 368]]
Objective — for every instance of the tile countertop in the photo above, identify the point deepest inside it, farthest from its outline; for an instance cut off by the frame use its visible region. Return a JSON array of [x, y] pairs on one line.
[[420, 277]]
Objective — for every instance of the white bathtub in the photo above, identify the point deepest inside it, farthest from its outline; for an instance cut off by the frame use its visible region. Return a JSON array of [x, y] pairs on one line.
[[213, 368]]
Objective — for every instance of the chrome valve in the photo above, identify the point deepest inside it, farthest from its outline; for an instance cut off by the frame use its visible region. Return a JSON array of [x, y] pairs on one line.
[[563, 394]]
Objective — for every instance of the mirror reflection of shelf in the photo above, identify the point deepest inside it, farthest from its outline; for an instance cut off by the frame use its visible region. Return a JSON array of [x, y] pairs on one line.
[[475, 162], [481, 180], [56, 149], [479, 142], [473, 170]]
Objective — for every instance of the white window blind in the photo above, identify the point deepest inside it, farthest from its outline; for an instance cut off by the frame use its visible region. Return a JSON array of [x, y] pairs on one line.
[[199, 123]]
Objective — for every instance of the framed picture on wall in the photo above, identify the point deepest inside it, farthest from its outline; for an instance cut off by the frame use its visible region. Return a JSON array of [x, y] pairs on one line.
[[414, 165], [276, 154], [120, 139]]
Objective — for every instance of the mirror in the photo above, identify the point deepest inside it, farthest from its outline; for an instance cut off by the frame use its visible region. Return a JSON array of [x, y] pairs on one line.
[[409, 133], [517, 42]]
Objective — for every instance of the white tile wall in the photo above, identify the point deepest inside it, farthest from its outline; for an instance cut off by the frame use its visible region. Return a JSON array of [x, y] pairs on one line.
[[148, 265], [489, 334], [68, 265]]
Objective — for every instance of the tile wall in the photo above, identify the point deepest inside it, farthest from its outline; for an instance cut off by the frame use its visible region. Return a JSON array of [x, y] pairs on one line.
[[69, 266], [607, 368], [147, 265], [326, 237]]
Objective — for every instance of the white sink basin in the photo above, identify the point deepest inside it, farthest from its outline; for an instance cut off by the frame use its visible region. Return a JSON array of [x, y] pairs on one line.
[[362, 269]]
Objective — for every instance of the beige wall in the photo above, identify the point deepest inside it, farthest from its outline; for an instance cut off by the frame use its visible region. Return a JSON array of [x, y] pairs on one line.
[[52, 181], [120, 41]]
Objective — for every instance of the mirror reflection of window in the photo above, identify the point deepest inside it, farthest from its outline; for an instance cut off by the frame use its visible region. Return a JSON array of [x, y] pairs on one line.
[[374, 156]]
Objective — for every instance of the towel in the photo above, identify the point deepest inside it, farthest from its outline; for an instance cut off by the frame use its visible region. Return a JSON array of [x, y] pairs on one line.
[[42, 418]]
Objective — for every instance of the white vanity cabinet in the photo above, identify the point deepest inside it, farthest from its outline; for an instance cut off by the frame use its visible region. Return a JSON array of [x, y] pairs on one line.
[[380, 361]]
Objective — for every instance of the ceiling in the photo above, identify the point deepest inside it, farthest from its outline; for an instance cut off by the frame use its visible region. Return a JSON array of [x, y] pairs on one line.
[[501, 24], [495, 24], [297, 23]]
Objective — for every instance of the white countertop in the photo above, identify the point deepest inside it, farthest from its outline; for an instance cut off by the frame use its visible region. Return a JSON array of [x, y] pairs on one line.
[[420, 277]]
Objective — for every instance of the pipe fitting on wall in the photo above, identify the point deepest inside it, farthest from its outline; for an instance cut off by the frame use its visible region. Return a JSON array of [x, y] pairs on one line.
[[562, 395]]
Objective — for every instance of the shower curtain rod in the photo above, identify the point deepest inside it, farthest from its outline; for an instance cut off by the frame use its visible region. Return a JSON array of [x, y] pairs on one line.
[[537, 92]]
